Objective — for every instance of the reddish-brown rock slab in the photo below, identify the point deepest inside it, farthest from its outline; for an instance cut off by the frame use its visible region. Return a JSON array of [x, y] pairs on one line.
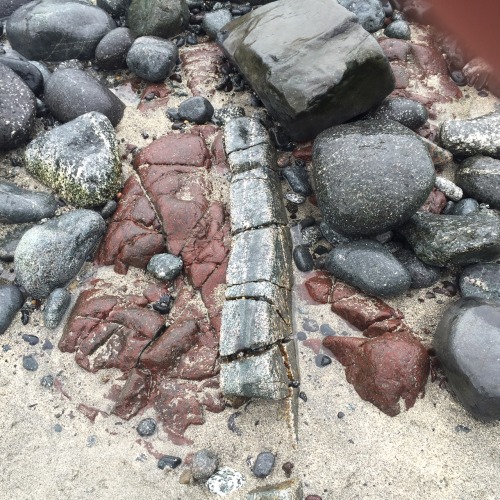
[[201, 66], [320, 287], [134, 232], [435, 203], [385, 369], [154, 96], [303, 152]]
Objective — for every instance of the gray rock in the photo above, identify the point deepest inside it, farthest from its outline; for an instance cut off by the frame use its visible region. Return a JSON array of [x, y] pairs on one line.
[[465, 206], [225, 481], [481, 281], [256, 200], [262, 377], [303, 258], [7, 7], [370, 13], [243, 133], [161, 18], [443, 240], [109, 209], [11, 300], [284, 50], [111, 53], [30, 363], [50, 255], [440, 157], [44, 70], [288, 490], [17, 110], [165, 266], [366, 182], [262, 155], [18, 205], [369, 266], [298, 179], [196, 109], [54, 30], [467, 343], [332, 236], [9, 242], [398, 29], [263, 464], [152, 58], [70, 93], [422, 275], [408, 112], [205, 463], [28, 73], [479, 177], [448, 188], [475, 136], [227, 113], [261, 255], [79, 160], [55, 307], [117, 8], [146, 427], [250, 325], [213, 22]]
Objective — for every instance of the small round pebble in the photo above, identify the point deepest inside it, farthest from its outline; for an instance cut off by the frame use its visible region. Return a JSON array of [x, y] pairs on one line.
[[47, 381], [323, 360], [30, 363], [462, 428], [169, 461], [205, 463], [109, 209], [310, 325], [225, 481], [398, 29], [303, 258], [327, 330], [301, 336], [165, 266], [295, 198], [287, 468], [31, 339], [196, 109], [340, 414], [263, 464], [146, 427], [58, 428]]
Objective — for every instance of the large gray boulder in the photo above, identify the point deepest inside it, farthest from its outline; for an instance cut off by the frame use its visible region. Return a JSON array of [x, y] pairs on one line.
[[467, 343], [310, 62], [79, 160], [366, 181], [49, 256], [162, 18], [7, 7], [55, 30]]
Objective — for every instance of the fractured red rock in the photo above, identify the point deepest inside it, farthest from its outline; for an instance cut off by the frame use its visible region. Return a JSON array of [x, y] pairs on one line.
[[320, 287]]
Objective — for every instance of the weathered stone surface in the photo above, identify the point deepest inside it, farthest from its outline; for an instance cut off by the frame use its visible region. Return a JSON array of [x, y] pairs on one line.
[[385, 369], [161, 18], [298, 179], [435, 203], [288, 490], [225, 481], [261, 255], [256, 200], [479, 177], [263, 376], [320, 288], [79, 160], [474, 136], [70, 93], [408, 112], [370, 13], [481, 281], [29, 74], [50, 255], [51, 30], [18, 205], [55, 307], [465, 206], [366, 183], [196, 109], [7, 7], [442, 240], [250, 325], [284, 50], [467, 342], [17, 110], [398, 29], [369, 266], [116, 8], [205, 463], [214, 21], [243, 133], [9, 242], [262, 155], [11, 300]]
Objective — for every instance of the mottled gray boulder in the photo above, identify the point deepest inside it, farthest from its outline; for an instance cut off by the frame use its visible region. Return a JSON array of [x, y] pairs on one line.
[[28, 73], [205, 463], [467, 343], [152, 58], [196, 109], [408, 112], [256, 200], [369, 266], [475, 136], [165, 266], [55, 307], [244, 133], [111, 53], [70, 93], [262, 155], [370, 13], [250, 325], [263, 376], [443, 240], [54, 30], [79, 160], [311, 63], [422, 275], [162, 18], [214, 21], [398, 29], [288, 490], [50, 255], [481, 281], [117, 8], [479, 177], [7, 7], [9, 242], [18, 205], [17, 110], [366, 182], [11, 300]]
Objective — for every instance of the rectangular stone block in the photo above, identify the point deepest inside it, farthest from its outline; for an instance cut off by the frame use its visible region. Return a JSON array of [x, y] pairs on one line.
[[263, 377], [256, 200], [250, 325], [262, 155], [261, 255], [243, 133]]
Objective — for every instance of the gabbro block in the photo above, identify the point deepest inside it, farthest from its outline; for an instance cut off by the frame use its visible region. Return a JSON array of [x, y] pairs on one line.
[[249, 325], [256, 200]]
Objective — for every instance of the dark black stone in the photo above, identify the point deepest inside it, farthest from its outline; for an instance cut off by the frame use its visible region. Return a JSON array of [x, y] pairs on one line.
[[310, 325], [303, 396], [303, 258], [146, 427], [30, 363], [263, 464], [409, 113], [196, 109], [109, 209], [47, 381], [11, 300], [422, 275], [28, 73], [116, 8], [340, 414], [31, 339], [323, 360], [298, 179], [281, 139], [169, 461], [111, 53]]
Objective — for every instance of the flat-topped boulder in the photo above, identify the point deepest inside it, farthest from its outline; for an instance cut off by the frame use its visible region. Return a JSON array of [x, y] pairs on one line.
[[311, 63]]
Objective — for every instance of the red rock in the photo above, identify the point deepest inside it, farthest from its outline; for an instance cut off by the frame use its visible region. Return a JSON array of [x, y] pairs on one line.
[[320, 287], [220, 165], [384, 370], [161, 93], [395, 49], [387, 325], [134, 395], [303, 152], [435, 203], [429, 58], [400, 76]]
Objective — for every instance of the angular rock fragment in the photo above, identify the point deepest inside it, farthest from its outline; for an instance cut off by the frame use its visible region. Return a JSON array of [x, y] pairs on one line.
[[263, 376], [284, 50]]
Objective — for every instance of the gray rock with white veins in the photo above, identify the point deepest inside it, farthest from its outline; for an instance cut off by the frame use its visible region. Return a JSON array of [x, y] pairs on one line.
[[243, 133], [262, 155], [55, 307]]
